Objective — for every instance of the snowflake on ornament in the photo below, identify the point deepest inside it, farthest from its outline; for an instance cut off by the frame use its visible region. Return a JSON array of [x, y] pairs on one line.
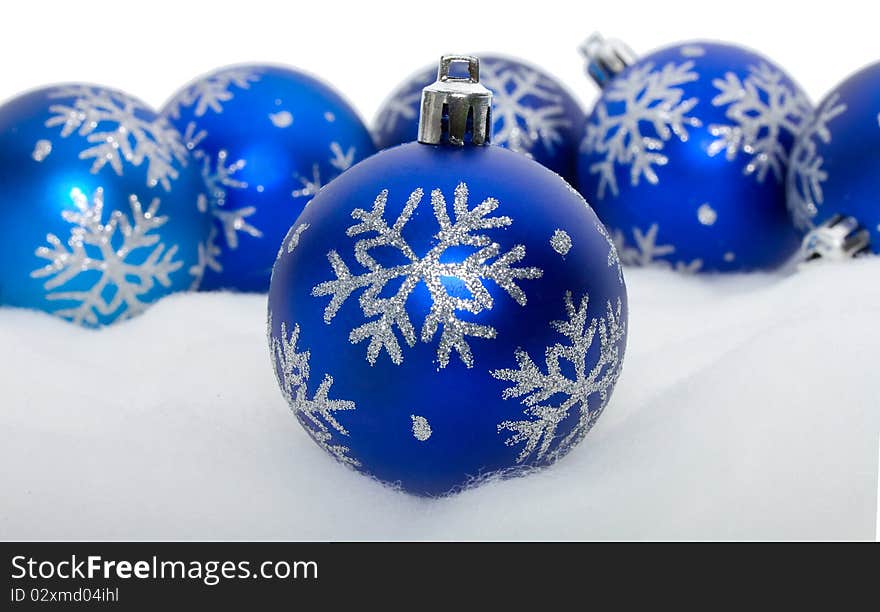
[[653, 110], [115, 126], [339, 159], [647, 252], [613, 255], [518, 123], [208, 256], [567, 384], [316, 413], [391, 311], [806, 173], [761, 107], [209, 93], [219, 178], [104, 251], [295, 235]]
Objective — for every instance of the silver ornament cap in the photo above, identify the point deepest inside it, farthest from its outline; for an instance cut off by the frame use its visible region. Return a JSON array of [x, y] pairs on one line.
[[456, 110], [837, 239], [606, 58]]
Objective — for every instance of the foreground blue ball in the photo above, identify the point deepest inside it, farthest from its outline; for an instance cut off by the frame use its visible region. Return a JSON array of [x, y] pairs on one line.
[[266, 138], [685, 154], [100, 203], [439, 315], [532, 113], [835, 166]]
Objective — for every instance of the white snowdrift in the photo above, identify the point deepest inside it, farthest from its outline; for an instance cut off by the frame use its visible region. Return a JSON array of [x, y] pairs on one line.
[[748, 408]]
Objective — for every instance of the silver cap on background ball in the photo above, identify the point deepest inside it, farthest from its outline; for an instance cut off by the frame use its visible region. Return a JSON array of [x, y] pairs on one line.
[[456, 110], [837, 239], [606, 58]]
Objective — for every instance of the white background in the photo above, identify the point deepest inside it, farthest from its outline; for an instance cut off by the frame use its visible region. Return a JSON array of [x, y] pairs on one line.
[[151, 48]]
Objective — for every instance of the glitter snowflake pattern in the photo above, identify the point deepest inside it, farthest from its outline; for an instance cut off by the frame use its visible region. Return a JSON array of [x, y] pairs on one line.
[[391, 312], [295, 236], [567, 384], [806, 172], [647, 252], [613, 255], [219, 178], [316, 413], [761, 108], [208, 258], [209, 93], [518, 123], [105, 249], [340, 159], [653, 112], [114, 125]]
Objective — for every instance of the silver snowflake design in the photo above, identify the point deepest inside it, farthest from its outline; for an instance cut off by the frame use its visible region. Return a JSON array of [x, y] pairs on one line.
[[760, 109], [647, 252], [550, 396], [295, 236], [211, 92], [315, 413], [653, 111], [106, 249], [117, 131], [613, 255], [219, 178], [806, 167], [486, 262], [339, 159], [209, 253], [518, 123]]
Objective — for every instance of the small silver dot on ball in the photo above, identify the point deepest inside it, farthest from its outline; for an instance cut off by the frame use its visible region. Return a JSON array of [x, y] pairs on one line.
[[41, 150], [281, 119], [420, 427], [693, 51], [706, 214], [561, 242]]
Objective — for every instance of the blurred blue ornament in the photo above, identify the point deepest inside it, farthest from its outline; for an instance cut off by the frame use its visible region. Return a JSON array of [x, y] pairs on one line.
[[532, 113], [267, 138], [440, 314], [835, 165], [100, 205], [685, 154]]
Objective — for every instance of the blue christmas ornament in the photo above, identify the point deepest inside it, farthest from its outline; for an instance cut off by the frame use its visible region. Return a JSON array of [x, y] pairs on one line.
[[685, 154], [100, 205], [532, 113], [834, 175], [266, 138], [439, 313]]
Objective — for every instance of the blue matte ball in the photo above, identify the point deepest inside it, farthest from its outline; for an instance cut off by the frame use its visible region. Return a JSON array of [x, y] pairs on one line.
[[100, 203], [835, 167], [267, 138], [532, 112], [684, 158], [439, 315]]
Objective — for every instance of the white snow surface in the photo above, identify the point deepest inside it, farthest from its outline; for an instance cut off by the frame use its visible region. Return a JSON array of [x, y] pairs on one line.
[[748, 408]]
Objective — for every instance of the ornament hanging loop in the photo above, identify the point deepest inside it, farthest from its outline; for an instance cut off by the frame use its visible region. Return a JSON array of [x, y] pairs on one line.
[[606, 58], [837, 239], [456, 110]]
